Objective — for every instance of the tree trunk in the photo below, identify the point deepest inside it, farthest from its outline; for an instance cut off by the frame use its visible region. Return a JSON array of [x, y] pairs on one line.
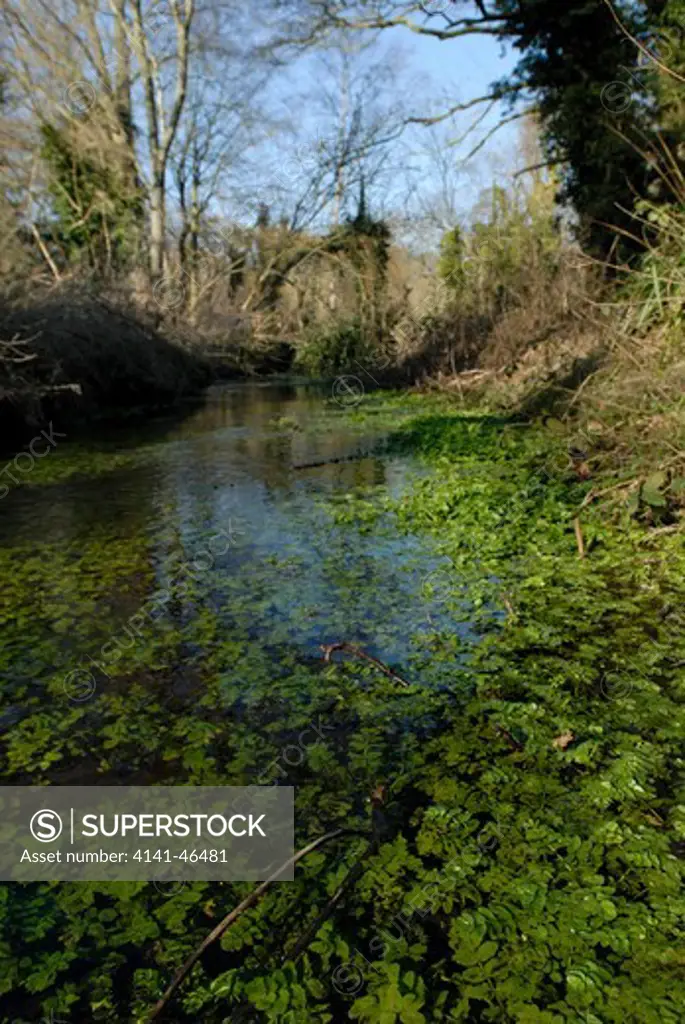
[[157, 227], [121, 85]]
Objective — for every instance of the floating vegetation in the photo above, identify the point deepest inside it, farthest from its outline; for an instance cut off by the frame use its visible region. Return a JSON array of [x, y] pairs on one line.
[[511, 776]]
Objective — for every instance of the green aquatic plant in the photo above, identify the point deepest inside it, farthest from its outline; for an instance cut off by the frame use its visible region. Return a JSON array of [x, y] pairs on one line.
[[520, 803]]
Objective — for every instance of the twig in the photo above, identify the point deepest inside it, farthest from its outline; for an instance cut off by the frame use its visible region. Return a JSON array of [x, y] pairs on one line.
[[656, 818], [494, 96], [46, 255], [227, 921], [579, 538], [659, 531], [578, 391], [511, 740], [592, 494], [308, 936], [488, 135], [377, 800], [536, 167], [54, 389], [328, 650], [680, 454], [641, 46], [332, 462], [17, 355]]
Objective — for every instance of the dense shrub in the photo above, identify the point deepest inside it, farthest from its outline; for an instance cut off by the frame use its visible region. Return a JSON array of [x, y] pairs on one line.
[[330, 349]]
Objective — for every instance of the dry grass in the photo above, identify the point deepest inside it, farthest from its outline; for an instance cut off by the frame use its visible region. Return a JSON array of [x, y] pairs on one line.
[[530, 352], [611, 365], [601, 348], [634, 407]]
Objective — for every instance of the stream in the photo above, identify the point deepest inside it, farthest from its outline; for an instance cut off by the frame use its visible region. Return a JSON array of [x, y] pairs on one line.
[[491, 806], [193, 560]]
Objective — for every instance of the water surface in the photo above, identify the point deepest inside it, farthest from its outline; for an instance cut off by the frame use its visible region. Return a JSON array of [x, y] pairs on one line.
[[199, 558]]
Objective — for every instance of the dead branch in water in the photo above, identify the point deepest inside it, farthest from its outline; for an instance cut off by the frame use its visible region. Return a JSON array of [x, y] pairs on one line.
[[377, 800], [301, 945], [328, 650], [511, 740], [231, 918], [332, 462]]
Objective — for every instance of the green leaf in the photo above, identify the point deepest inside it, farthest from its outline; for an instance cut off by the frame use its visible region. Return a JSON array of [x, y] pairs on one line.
[[633, 502], [651, 490], [556, 426]]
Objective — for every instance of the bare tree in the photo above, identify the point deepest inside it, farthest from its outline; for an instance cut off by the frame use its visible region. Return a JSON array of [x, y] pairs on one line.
[[163, 113], [299, 25], [353, 116], [71, 69], [213, 141], [120, 76]]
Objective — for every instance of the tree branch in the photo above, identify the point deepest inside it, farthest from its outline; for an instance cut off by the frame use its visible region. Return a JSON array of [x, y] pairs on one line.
[[641, 47], [183, 24], [537, 167], [491, 97], [46, 255], [328, 650], [493, 131], [143, 55], [230, 919], [455, 30]]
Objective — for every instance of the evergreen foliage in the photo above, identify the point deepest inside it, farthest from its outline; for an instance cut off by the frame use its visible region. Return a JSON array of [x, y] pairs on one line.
[[596, 102], [96, 215]]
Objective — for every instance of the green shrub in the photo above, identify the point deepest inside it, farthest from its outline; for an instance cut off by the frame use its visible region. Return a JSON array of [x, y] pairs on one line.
[[328, 350]]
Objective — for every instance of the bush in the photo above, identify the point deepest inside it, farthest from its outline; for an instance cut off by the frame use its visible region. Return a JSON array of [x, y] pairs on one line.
[[329, 350]]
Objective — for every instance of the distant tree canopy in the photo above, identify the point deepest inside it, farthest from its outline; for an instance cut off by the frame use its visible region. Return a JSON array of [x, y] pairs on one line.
[[515, 243], [364, 236]]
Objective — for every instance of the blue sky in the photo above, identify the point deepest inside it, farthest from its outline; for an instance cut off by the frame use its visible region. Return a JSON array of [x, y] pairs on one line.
[[433, 76], [450, 72], [463, 69], [428, 77], [468, 65]]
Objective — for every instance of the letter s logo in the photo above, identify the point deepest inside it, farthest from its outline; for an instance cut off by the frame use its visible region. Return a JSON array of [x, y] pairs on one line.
[[46, 826]]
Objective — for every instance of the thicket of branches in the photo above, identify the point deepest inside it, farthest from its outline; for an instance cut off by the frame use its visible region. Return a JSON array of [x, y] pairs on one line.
[[167, 151], [138, 137]]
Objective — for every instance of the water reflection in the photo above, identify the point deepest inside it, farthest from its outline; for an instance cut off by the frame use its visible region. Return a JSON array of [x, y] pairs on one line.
[[101, 545]]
